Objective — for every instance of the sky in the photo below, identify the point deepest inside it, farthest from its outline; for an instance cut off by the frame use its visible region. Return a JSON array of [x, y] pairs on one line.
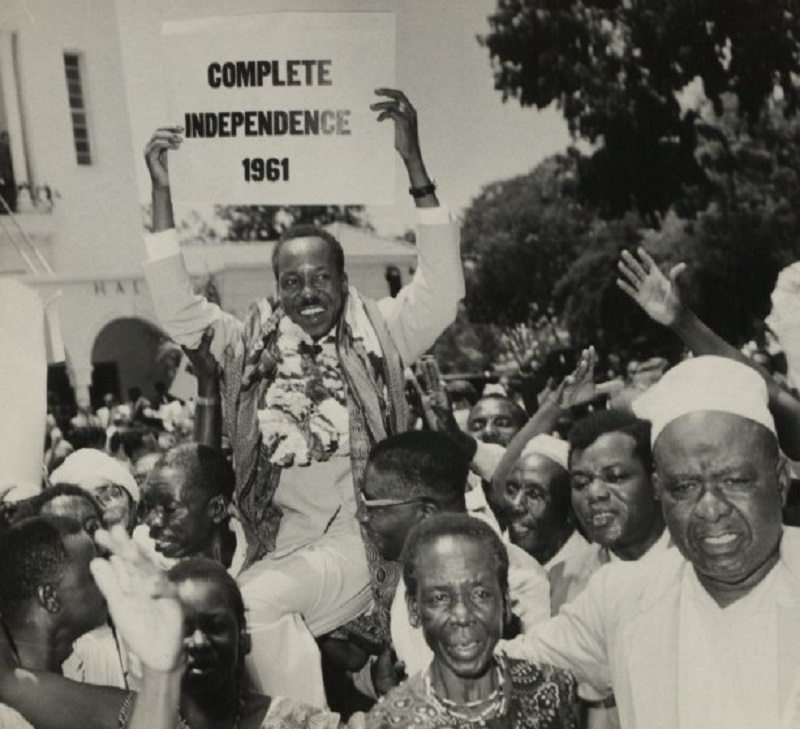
[[469, 137]]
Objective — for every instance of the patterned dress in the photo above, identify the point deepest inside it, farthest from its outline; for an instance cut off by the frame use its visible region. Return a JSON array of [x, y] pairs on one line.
[[288, 714], [535, 697]]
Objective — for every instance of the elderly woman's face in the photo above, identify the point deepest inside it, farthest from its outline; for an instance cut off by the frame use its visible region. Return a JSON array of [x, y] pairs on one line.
[[459, 604], [118, 507]]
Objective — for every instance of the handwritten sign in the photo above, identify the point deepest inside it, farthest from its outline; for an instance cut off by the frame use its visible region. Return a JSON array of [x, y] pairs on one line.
[[275, 108]]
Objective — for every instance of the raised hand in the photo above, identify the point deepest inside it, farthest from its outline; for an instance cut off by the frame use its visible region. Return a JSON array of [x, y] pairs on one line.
[[406, 135], [522, 344], [656, 294], [435, 399], [141, 600], [204, 365], [578, 387], [155, 154], [7, 507]]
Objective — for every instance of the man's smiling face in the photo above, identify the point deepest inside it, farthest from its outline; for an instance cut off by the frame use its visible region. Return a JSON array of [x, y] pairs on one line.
[[310, 285]]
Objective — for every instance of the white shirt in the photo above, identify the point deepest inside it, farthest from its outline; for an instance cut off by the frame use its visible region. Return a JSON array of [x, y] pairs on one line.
[[10, 719], [784, 319], [569, 577], [635, 628], [99, 658], [575, 546]]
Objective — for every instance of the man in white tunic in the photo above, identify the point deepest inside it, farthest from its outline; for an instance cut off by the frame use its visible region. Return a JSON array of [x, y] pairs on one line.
[[308, 388], [707, 635]]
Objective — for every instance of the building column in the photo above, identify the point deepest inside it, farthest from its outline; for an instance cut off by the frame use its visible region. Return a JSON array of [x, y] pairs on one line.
[[23, 388], [80, 377], [11, 104]]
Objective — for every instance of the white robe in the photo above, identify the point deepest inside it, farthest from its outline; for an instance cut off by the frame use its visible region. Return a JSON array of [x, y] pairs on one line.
[[635, 626]]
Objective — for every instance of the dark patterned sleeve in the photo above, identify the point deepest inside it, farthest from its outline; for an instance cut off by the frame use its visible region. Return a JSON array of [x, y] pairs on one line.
[[569, 694]]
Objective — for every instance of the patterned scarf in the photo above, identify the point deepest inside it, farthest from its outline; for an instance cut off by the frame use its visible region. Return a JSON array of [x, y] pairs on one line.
[[376, 405]]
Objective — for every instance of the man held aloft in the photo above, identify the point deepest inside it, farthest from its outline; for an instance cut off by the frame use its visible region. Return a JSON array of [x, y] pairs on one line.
[[296, 487]]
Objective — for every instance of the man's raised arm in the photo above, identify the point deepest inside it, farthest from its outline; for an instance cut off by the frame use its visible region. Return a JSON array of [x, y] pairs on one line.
[[427, 306], [182, 313], [660, 298]]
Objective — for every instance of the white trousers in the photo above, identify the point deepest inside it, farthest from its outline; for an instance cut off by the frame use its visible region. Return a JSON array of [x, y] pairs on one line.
[[292, 599]]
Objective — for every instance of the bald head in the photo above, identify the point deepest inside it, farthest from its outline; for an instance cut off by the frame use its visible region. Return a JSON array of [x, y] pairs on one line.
[[496, 419], [534, 503]]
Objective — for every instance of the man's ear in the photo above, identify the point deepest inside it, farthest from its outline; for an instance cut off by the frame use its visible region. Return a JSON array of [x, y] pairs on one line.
[[426, 509], [413, 610], [245, 642], [656, 486], [48, 598], [217, 508], [784, 477], [508, 613]]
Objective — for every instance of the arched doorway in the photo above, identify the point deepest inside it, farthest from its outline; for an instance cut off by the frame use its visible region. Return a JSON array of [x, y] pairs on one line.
[[125, 355]]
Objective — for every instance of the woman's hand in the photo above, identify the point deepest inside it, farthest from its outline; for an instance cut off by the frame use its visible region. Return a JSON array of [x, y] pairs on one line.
[[142, 601]]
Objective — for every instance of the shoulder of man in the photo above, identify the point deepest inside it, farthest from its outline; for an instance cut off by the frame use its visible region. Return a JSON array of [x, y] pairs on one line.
[[790, 549], [638, 585], [522, 562]]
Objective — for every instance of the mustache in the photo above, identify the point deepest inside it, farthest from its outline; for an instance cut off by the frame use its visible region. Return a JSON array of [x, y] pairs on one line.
[[309, 300]]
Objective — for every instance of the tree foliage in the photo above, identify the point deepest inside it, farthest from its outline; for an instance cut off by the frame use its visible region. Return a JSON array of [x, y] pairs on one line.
[[518, 238], [734, 248], [266, 222], [735, 243], [616, 69]]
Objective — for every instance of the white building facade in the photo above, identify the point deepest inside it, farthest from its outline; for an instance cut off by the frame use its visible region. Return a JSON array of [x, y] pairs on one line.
[[76, 235]]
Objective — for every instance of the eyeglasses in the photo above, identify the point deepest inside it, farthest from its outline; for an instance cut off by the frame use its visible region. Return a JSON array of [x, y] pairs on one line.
[[109, 492], [385, 503]]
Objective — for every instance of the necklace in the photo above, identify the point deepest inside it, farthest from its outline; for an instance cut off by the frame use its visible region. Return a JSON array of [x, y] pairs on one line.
[[304, 417], [493, 706]]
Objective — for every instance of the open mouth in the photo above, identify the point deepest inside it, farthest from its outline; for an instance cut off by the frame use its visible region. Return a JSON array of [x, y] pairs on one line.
[[165, 547], [601, 519], [720, 543], [466, 650], [200, 668], [312, 313], [519, 528], [113, 515]]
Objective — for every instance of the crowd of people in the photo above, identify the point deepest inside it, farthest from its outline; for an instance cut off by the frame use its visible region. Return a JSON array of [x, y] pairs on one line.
[[333, 535]]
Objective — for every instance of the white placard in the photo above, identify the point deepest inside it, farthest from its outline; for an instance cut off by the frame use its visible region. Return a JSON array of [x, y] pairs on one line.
[[276, 108]]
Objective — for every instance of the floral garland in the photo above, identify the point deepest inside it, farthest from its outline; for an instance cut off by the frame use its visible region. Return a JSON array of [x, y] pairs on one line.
[[305, 415]]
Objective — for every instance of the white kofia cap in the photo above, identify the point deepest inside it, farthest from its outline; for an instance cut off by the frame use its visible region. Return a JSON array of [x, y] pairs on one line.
[[550, 447], [705, 384]]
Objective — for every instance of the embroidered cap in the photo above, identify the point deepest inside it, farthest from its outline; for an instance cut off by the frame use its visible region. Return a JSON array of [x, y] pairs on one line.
[[550, 447], [705, 384]]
